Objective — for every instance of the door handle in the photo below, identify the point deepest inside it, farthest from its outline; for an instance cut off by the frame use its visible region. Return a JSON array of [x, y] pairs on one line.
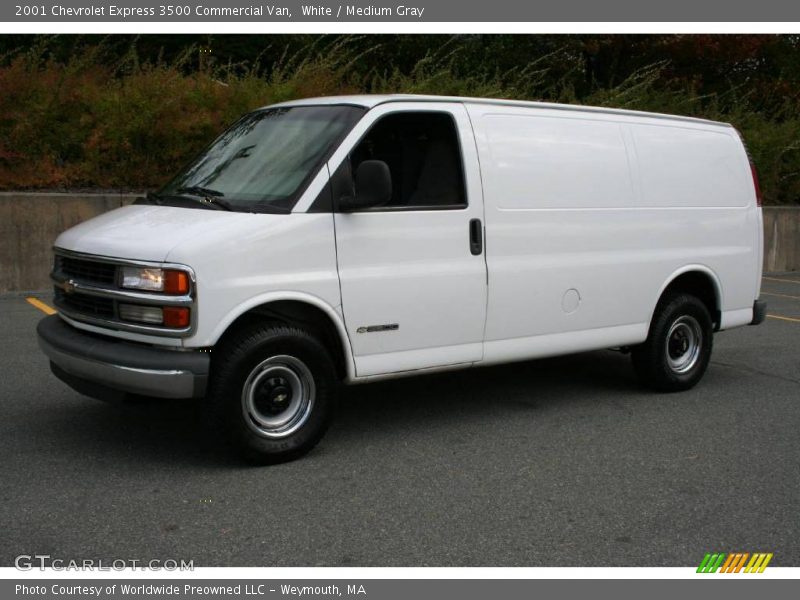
[[475, 237]]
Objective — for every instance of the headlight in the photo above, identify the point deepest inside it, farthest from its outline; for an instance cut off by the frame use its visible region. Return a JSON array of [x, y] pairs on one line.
[[150, 279]]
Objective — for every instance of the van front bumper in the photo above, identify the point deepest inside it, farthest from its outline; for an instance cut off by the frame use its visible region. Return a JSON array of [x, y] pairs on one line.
[[110, 368]]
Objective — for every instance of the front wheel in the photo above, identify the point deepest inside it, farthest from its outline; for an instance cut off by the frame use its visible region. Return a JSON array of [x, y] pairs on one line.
[[678, 347], [273, 391]]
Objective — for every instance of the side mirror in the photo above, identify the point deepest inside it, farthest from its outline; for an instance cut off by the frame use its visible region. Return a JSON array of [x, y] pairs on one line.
[[373, 187]]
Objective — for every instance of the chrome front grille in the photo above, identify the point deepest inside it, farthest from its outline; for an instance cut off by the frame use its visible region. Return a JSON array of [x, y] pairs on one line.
[[92, 306], [88, 271], [87, 289]]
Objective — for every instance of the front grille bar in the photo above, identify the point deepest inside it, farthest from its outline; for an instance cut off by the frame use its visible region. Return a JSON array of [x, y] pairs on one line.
[[75, 285]]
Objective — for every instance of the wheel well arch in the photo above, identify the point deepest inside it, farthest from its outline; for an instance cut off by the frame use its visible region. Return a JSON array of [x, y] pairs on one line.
[[312, 316], [700, 282]]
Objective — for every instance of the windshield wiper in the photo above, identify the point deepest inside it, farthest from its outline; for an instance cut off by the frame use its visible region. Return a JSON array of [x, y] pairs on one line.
[[198, 190], [209, 196]]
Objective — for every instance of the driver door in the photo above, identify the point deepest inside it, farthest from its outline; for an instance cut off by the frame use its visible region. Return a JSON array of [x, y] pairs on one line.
[[412, 271]]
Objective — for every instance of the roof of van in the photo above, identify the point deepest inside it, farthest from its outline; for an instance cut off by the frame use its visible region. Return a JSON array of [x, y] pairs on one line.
[[370, 100]]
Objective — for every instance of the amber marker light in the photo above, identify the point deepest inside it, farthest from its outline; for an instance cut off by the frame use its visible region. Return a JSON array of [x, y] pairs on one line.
[[176, 282], [176, 317]]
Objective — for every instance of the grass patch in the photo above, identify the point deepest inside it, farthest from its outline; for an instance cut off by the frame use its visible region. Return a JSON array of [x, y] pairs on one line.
[[85, 123]]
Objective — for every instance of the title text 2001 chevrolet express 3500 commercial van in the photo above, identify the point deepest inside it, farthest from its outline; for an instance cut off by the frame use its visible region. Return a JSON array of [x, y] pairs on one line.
[[353, 238]]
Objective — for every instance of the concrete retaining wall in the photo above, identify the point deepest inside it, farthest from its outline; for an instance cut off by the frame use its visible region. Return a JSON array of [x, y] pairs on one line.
[[781, 239], [30, 222]]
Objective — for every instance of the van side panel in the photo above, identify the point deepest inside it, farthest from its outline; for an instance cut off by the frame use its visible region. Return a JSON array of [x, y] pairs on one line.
[[690, 167], [581, 239], [579, 163]]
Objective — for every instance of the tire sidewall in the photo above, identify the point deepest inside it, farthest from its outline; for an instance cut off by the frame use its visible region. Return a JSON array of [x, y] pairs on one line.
[[652, 359], [235, 371]]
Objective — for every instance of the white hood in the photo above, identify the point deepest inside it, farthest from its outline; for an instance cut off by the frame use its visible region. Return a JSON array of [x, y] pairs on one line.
[[240, 259], [143, 232]]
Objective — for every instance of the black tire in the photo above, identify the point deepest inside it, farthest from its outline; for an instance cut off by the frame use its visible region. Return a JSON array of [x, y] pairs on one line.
[[666, 361], [281, 365]]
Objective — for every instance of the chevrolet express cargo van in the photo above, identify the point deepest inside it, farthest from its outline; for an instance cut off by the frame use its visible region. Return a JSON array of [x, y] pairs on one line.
[[347, 239]]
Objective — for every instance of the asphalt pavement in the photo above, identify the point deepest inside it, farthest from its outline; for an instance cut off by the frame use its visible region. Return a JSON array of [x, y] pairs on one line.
[[558, 462]]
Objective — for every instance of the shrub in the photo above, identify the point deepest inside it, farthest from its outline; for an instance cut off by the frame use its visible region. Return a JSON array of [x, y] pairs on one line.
[[85, 123]]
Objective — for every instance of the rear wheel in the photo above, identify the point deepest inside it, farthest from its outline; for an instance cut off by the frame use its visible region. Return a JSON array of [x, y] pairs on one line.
[[678, 347], [273, 391]]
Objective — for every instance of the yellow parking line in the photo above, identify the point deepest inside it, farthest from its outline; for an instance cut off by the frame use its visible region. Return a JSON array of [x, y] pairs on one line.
[[783, 318], [781, 280], [780, 295], [49, 310]]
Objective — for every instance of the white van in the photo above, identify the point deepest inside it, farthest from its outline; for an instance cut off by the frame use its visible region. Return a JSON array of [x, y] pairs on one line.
[[347, 239]]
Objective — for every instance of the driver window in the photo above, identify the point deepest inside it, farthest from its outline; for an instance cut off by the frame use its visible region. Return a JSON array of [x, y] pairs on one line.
[[422, 152]]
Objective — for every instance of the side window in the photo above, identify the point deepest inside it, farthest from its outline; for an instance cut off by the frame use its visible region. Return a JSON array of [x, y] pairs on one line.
[[424, 159]]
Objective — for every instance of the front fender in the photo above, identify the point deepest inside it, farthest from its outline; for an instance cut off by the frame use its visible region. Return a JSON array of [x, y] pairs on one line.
[[333, 313]]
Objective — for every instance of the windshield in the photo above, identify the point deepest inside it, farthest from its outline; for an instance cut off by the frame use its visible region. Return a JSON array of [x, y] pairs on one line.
[[266, 159]]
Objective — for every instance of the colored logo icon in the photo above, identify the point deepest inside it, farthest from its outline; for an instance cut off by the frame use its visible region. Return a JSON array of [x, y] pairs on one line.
[[734, 562]]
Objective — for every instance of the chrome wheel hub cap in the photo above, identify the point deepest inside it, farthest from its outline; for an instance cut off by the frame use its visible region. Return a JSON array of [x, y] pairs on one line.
[[684, 342], [278, 396]]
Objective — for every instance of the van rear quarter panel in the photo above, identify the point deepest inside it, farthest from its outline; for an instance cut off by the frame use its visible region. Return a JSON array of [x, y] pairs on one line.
[[589, 216]]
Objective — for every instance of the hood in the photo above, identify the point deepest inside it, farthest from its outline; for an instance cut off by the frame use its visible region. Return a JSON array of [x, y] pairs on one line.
[[144, 232]]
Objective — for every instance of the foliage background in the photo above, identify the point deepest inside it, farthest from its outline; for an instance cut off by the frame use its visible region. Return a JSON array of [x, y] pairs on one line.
[[125, 112]]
